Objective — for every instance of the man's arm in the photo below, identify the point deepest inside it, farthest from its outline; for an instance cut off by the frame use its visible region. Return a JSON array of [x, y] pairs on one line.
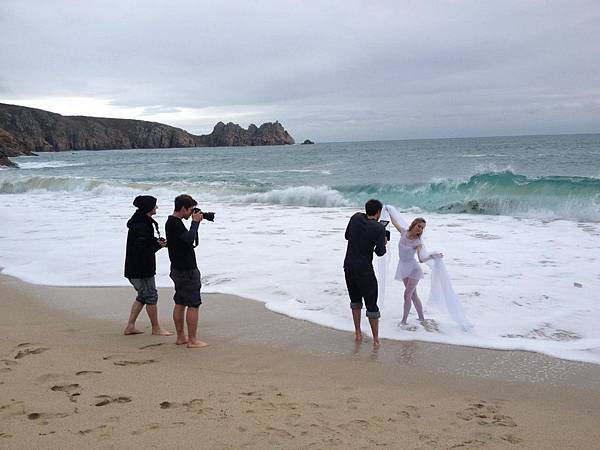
[[380, 244], [189, 235], [347, 233]]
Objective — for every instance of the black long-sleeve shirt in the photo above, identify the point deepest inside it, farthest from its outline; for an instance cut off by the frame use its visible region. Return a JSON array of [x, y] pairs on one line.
[[180, 242], [364, 236]]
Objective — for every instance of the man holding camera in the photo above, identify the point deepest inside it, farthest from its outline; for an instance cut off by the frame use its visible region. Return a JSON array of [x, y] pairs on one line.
[[184, 270], [364, 234], [140, 263]]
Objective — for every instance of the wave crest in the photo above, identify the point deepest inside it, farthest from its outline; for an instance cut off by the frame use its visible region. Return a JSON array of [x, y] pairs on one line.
[[298, 196]]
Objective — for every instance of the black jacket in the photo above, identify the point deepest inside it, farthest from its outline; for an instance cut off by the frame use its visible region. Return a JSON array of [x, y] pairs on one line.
[[364, 236], [140, 258]]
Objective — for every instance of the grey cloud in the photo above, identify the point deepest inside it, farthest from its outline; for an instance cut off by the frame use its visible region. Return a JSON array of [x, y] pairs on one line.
[[327, 70]]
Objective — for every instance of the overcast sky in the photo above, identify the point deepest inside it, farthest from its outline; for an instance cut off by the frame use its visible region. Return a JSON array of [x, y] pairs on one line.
[[327, 70]]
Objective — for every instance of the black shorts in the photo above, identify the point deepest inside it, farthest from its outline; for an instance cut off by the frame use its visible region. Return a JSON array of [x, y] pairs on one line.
[[187, 287], [362, 285]]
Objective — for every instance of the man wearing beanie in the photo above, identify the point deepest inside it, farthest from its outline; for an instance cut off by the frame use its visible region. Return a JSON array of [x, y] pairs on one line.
[[140, 263]]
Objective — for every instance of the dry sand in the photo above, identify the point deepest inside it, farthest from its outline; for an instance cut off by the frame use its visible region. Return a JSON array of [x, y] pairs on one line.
[[268, 381]]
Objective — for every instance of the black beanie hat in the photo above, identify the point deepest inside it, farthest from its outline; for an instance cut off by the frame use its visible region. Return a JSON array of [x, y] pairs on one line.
[[144, 203]]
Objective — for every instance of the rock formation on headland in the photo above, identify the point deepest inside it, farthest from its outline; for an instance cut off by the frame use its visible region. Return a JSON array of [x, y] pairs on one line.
[[232, 134], [26, 130], [307, 142]]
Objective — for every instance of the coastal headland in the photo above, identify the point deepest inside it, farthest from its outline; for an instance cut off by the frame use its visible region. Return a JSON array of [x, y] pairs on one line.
[[68, 380], [24, 131]]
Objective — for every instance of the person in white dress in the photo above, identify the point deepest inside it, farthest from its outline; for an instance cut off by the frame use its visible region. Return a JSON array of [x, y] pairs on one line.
[[409, 270]]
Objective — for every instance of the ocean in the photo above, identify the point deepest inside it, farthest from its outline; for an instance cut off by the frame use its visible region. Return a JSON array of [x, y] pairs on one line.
[[517, 218]]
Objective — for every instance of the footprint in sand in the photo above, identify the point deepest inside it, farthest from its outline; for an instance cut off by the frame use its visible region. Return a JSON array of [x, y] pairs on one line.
[[152, 345], [5, 436], [485, 414], [104, 400], [14, 408], [30, 351], [135, 362], [88, 372], [157, 426], [91, 430], [38, 415], [124, 362], [511, 438], [194, 405], [407, 327], [69, 389], [430, 326]]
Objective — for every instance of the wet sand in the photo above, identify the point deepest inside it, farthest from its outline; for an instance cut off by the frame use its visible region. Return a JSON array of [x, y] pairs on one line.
[[266, 381]]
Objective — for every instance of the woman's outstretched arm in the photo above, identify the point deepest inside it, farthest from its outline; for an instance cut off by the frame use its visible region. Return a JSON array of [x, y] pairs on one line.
[[398, 227]]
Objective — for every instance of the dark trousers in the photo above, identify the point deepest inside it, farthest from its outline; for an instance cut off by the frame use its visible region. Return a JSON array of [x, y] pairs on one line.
[[362, 286]]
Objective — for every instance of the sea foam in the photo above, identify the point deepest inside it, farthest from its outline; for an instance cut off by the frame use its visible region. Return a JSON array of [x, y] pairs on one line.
[[515, 277]]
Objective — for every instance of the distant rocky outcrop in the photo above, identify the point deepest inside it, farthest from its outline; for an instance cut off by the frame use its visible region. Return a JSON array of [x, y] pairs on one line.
[[25, 130], [307, 142], [231, 134]]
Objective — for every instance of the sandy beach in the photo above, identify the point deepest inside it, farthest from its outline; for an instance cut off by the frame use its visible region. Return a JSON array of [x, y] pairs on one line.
[[267, 381]]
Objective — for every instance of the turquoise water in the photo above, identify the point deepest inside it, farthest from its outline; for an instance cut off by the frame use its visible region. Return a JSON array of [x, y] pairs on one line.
[[538, 176]]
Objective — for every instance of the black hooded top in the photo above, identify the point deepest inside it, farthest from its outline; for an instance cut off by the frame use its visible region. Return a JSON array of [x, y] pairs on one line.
[[140, 258]]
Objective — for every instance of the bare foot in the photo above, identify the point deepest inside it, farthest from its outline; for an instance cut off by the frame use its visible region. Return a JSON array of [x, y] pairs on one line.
[[376, 343], [128, 331], [161, 332], [182, 341], [358, 337], [196, 344]]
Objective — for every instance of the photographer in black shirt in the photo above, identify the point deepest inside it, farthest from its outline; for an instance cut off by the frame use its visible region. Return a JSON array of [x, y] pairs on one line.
[[364, 234], [184, 270]]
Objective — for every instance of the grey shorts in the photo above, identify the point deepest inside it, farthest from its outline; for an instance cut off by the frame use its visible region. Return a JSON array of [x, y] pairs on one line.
[[146, 290], [187, 287]]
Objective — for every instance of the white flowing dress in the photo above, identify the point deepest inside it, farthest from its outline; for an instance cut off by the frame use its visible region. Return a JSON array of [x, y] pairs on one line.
[[408, 266], [441, 292]]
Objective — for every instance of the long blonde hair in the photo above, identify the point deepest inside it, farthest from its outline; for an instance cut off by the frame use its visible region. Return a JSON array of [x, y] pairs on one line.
[[416, 221]]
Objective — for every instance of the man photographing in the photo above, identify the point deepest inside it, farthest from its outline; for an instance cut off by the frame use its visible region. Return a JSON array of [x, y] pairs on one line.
[[184, 270], [364, 234]]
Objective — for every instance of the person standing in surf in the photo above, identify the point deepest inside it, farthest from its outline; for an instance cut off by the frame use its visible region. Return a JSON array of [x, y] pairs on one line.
[[365, 235], [140, 263], [409, 271]]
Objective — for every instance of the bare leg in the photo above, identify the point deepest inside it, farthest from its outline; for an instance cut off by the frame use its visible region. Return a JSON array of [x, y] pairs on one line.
[[136, 308], [358, 337], [410, 284], [191, 318], [178, 318], [418, 305], [375, 330], [152, 311]]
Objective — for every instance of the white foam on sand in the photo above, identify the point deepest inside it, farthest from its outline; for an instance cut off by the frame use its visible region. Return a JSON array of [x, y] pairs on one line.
[[524, 283]]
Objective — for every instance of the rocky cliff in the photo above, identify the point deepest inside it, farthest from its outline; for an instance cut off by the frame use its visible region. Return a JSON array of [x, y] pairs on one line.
[[27, 130], [232, 135]]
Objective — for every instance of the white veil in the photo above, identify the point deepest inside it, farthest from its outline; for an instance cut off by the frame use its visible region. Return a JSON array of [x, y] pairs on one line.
[[441, 292]]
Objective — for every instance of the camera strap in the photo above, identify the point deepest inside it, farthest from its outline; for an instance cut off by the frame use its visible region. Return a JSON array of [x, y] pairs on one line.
[[155, 223]]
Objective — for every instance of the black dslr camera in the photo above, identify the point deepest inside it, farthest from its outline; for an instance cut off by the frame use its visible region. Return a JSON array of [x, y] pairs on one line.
[[387, 232], [210, 216]]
